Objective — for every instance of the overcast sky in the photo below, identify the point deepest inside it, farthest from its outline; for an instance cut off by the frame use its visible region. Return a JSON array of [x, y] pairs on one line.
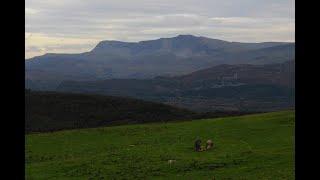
[[72, 26]]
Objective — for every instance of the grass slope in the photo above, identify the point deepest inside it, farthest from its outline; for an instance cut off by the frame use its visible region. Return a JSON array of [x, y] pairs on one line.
[[257, 146]]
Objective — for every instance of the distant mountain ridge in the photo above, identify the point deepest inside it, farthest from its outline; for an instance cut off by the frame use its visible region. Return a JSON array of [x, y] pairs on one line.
[[179, 55]]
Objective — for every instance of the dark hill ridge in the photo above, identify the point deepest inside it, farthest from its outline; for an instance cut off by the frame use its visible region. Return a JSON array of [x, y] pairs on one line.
[[147, 59], [48, 111], [51, 111], [282, 74]]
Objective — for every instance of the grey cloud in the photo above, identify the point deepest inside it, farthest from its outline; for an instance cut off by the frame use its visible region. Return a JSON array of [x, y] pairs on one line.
[[250, 20], [33, 49]]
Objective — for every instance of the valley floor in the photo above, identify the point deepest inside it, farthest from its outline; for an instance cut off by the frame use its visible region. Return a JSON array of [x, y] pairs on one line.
[[246, 147]]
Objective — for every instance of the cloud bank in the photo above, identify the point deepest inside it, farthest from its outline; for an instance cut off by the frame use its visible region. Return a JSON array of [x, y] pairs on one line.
[[72, 26]]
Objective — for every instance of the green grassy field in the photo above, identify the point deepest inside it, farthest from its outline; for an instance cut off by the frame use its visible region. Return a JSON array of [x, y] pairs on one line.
[[257, 146]]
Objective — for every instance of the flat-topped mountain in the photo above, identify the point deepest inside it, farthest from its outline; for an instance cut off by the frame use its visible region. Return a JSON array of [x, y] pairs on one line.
[[179, 55], [181, 46]]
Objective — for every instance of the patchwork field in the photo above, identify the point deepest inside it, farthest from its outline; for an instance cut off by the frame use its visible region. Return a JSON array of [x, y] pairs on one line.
[[259, 146]]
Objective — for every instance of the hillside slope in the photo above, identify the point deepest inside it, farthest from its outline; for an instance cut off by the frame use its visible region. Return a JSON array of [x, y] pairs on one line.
[[247, 147], [222, 87]]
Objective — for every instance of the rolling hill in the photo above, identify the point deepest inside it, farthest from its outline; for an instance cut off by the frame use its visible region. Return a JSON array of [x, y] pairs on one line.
[[147, 59], [247, 147], [241, 87]]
